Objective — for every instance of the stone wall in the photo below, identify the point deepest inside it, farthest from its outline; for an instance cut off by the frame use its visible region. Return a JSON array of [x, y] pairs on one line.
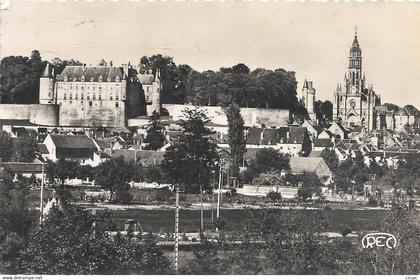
[[252, 116], [100, 113], [40, 114]]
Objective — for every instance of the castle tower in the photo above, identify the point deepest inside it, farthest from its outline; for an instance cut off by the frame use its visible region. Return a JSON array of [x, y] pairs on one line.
[[152, 87], [308, 98], [46, 86]]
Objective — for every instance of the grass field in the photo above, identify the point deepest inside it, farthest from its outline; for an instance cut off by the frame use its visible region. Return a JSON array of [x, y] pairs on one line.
[[163, 220]]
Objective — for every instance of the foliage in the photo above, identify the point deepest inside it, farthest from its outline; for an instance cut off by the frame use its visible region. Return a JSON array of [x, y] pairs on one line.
[[311, 185], [190, 161], [24, 148], [114, 174], [16, 222], [237, 142], [123, 197], [271, 178], [155, 137], [60, 64], [267, 159], [407, 174], [6, 146], [61, 170], [164, 194], [324, 112], [67, 234], [274, 196], [19, 78], [330, 158]]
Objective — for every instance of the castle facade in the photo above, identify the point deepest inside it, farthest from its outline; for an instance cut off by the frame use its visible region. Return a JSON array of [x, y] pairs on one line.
[[99, 96]]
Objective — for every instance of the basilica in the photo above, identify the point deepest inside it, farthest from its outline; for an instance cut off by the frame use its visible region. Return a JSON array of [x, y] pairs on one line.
[[355, 100]]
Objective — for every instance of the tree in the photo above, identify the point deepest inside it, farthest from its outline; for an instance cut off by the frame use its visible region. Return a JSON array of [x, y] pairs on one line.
[[267, 159], [155, 137], [236, 136], [114, 174], [24, 148], [19, 78], [311, 185], [330, 158], [62, 169], [190, 161], [16, 223], [274, 196], [68, 234], [6, 146]]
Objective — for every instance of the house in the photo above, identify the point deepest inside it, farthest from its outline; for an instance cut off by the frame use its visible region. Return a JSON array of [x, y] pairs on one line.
[[317, 165], [24, 169], [337, 129], [292, 140], [98, 158], [325, 134], [144, 157], [70, 147], [322, 144]]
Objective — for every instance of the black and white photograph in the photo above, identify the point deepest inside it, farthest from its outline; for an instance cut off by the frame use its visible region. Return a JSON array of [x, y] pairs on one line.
[[228, 138]]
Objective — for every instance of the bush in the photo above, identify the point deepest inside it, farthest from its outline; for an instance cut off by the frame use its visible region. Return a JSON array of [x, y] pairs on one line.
[[372, 201], [123, 197], [274, 196], [164, 194], [346, 231]]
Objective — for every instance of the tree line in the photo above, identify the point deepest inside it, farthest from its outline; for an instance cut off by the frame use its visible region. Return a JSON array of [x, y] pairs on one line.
[[260, 88]]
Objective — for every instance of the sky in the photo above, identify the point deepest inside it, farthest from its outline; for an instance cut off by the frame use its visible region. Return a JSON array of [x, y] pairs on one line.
[[311, 39]]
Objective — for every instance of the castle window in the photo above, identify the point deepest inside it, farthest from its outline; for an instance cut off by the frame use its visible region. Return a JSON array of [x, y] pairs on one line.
[[71, 96], [82, 79], [65, 96], [65, 78], [110, 97], [90, 103], [100, 97], [94, 97], [116, 97], [100, 89], [117, 79], [108, 79], [76, 96], [82, 96], [100, 79], [71, 87], [116, 104], [74, 79], [87, 97], [91, 79]]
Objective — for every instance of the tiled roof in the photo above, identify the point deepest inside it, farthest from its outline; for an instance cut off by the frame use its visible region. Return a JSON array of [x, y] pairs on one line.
[[42, 149], [103, 144], [108, 73], [254, 136], [296, 135], [411, 110], [73, 141], [323, 143], [305, 164], [315, 154], [74, 146]]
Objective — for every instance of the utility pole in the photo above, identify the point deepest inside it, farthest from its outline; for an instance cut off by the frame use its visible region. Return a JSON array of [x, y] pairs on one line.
[[201, 211], [212, 197], [219, 192], [176, 227], [41, 207]]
